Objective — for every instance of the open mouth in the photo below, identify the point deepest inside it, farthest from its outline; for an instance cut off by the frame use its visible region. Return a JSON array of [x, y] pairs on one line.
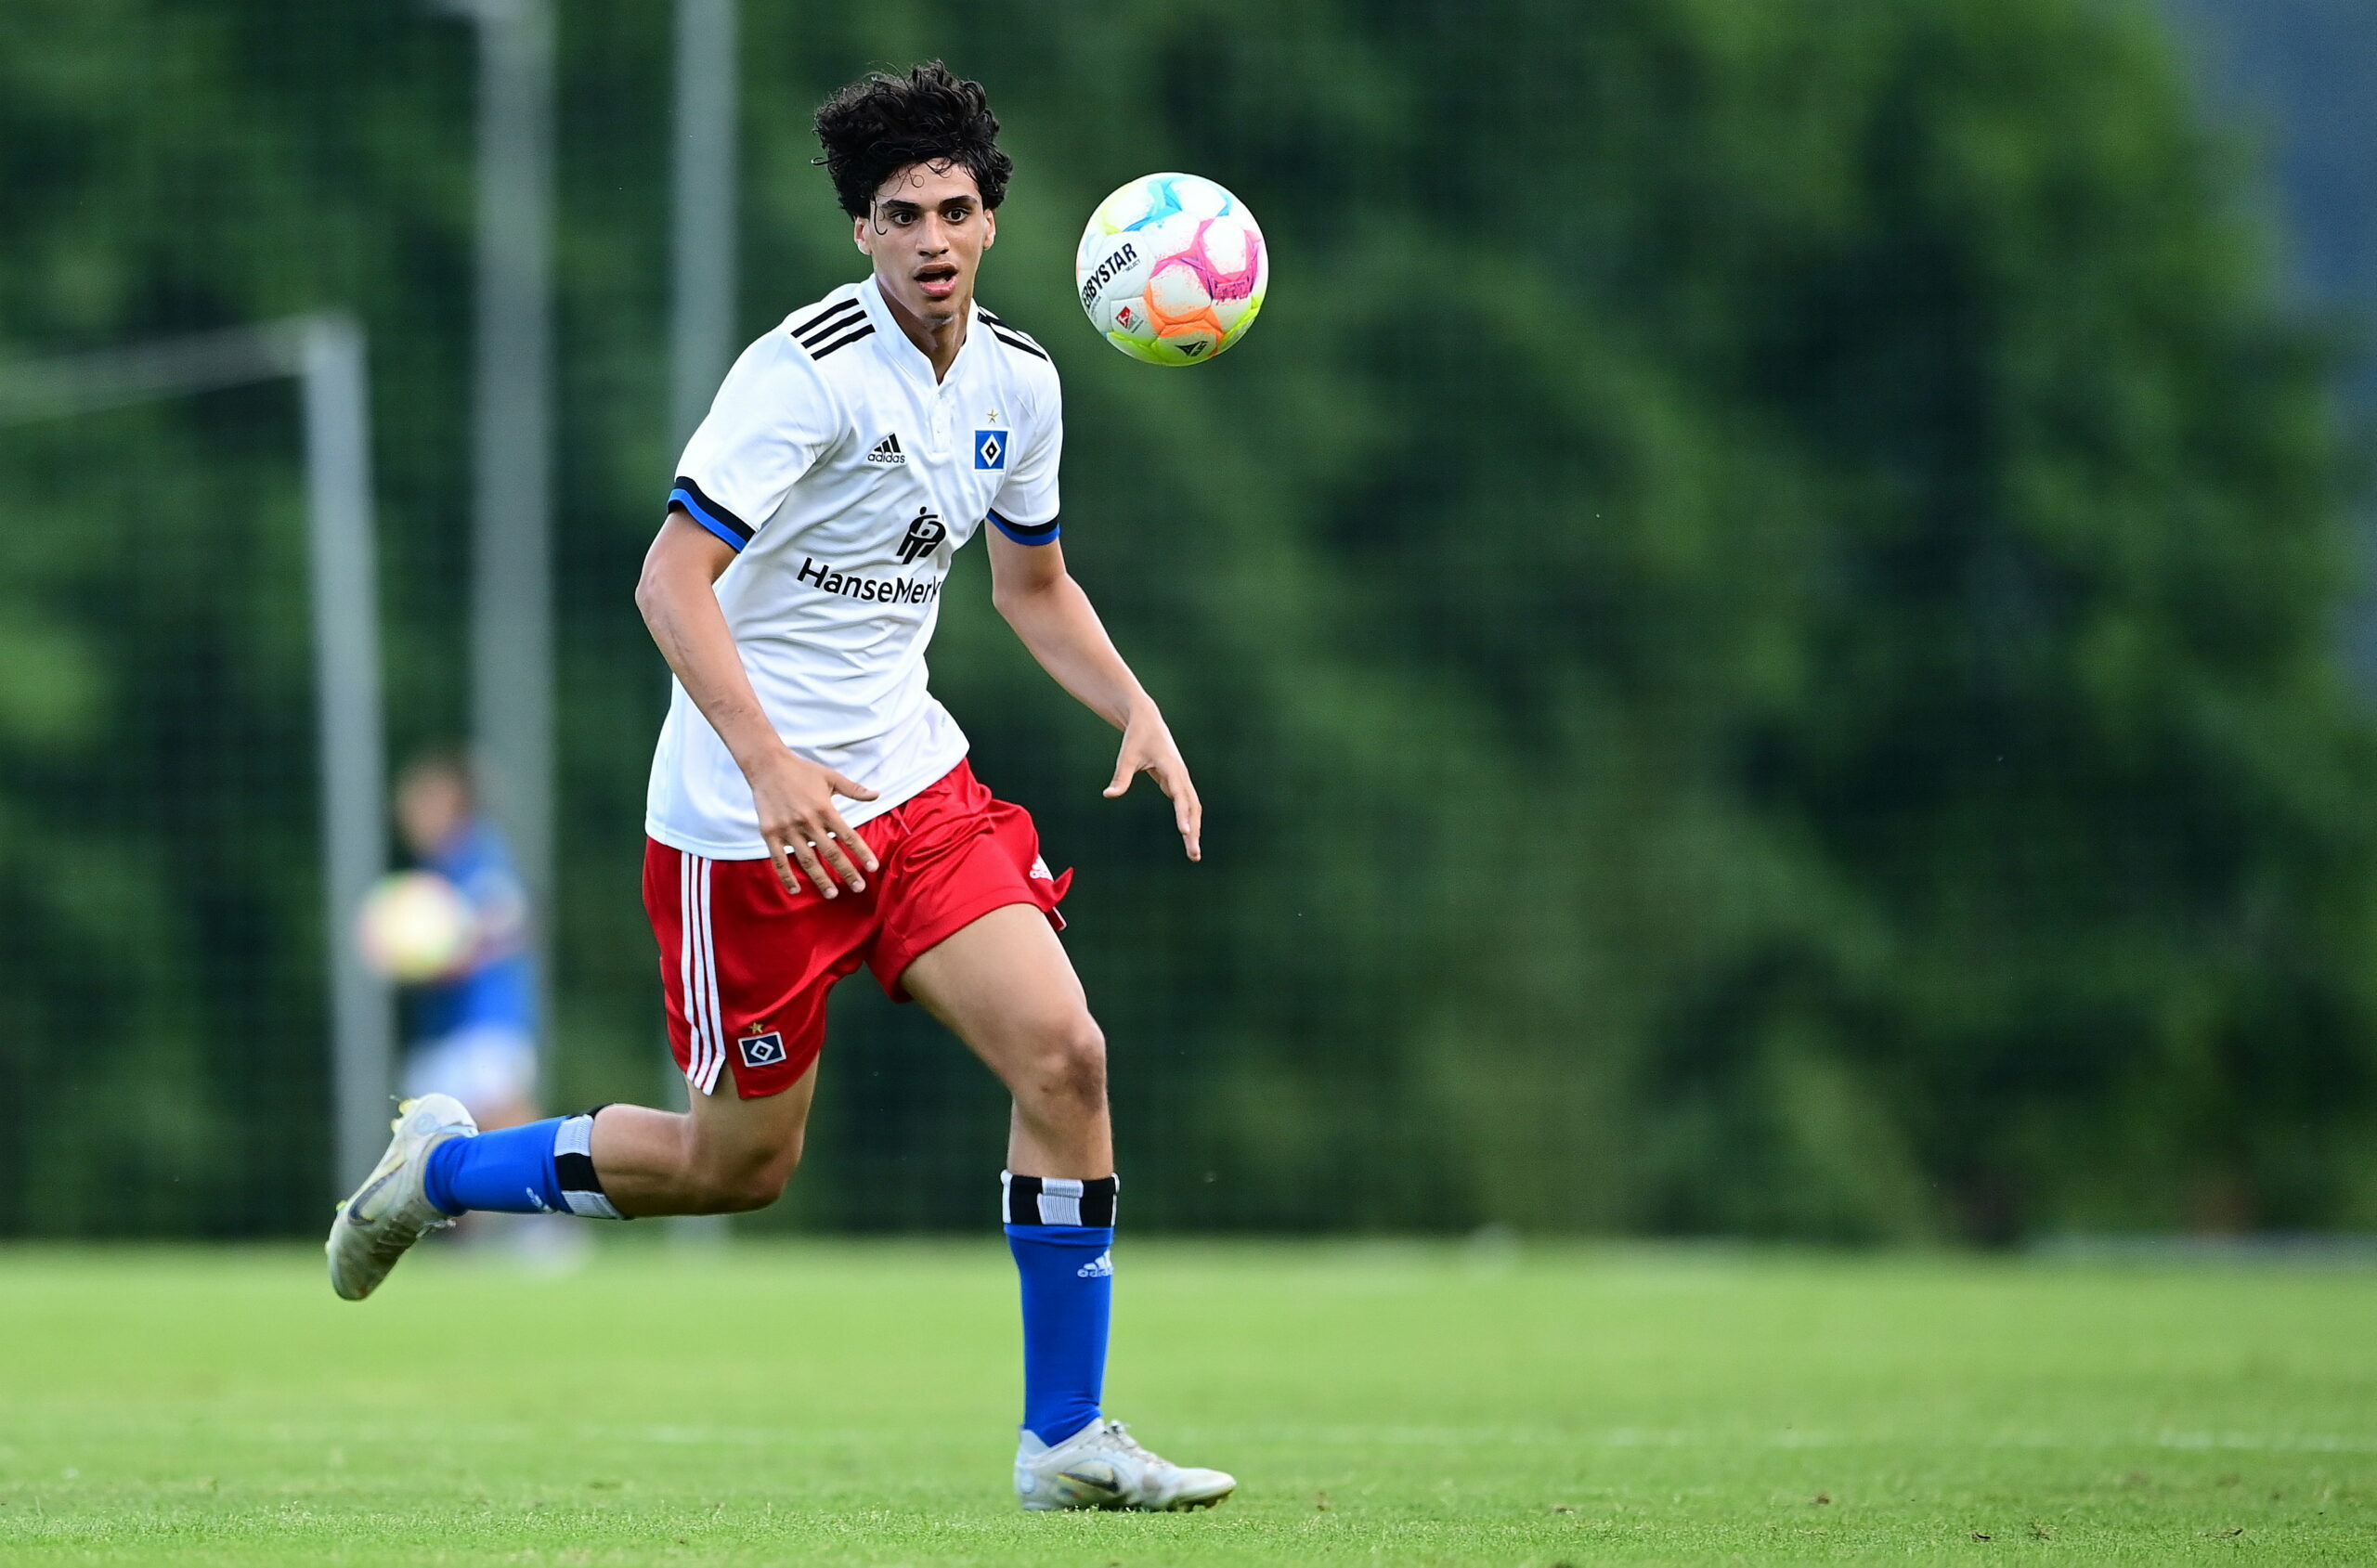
[[938, 281]]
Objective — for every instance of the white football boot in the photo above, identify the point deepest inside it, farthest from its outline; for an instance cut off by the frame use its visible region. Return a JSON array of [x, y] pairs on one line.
[[390, 1211], [1103, 1466]]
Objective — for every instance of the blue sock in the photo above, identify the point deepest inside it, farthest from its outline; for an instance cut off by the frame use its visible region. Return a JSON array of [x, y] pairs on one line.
[[1060, 1232], [541, 1168]]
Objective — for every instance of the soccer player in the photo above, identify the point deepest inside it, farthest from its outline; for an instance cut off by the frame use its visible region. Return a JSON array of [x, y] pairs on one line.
[[474, 1027], [811, 808]]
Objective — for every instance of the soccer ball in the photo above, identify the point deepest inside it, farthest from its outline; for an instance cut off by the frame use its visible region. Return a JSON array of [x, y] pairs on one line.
[[415, 926], [1172, 269]]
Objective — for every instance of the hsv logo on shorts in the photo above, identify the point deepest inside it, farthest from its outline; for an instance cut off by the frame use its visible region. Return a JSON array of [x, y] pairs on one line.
[[762, 1050]]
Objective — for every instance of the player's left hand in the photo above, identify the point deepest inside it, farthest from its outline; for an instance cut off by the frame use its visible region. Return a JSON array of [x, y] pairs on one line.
[[1147, 748]]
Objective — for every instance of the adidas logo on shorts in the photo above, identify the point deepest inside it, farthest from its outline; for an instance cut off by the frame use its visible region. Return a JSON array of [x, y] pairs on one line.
[[887, 452]]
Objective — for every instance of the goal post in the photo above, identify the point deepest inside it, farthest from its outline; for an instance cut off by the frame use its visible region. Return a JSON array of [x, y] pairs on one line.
[[325, 354]]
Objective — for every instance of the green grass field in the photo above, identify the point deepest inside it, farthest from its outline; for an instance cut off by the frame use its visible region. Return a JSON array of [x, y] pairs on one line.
[[1380, 1404]]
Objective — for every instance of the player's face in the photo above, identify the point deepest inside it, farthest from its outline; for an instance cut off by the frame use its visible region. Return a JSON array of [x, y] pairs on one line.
[[432, 806], [927, 236]]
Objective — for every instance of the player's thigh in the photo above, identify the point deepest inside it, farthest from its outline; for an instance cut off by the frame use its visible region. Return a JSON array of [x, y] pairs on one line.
[[1005, 986]]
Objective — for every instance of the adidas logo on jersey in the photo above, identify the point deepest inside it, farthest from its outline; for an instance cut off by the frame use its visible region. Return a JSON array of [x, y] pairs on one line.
[[886, 451]]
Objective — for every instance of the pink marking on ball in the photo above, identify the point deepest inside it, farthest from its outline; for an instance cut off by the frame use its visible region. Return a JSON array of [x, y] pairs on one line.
[[1233, 284]]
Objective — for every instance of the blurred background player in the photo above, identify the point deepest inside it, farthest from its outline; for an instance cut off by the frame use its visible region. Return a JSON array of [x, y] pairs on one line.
[[471, 1027]]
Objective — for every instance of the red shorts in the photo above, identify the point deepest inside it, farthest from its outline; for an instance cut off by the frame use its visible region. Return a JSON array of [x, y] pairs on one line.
[[746, 965]]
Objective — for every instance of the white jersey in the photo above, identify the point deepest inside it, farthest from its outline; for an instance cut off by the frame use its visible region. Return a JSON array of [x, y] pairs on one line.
[[845, 477]]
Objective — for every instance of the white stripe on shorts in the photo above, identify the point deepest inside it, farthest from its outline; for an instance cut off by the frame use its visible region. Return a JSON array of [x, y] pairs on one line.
[[709, 986], [696, 986], [685, 988], [685, 966]]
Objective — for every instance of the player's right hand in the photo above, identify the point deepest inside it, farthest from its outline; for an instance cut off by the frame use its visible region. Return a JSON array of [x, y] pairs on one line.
[[795, 797]]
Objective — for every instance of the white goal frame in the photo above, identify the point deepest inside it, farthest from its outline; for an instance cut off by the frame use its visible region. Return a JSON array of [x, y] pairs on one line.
[[325, 354]]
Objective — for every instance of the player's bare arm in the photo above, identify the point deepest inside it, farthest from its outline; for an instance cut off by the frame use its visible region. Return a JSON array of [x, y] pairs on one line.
[[677, 594], [1056, 621]]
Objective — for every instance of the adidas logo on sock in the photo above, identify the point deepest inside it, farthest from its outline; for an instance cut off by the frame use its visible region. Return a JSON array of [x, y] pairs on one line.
[[1098, 1267], [886, 451]]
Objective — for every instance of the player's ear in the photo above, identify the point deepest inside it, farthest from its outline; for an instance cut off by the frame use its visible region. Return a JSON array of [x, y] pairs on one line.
[[990, 227], [858, 237]]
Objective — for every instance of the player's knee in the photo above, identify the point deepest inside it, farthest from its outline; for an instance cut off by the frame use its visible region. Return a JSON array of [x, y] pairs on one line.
[[740, 1192], [742, 1182], [757, 1190], [1069, 1068]]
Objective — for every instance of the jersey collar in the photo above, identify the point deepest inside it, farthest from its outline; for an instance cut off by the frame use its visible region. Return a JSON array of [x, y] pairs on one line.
[[903, 355]]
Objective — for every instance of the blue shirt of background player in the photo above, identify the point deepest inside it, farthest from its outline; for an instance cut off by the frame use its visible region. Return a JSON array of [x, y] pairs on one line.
[[496, 988]]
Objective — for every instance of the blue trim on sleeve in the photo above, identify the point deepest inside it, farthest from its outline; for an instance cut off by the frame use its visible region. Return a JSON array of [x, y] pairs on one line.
[[1027, 533], [694, 510], [708, 513]]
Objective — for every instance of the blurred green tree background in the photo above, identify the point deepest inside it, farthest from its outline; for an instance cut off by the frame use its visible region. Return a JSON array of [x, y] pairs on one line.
[[1759, 621]]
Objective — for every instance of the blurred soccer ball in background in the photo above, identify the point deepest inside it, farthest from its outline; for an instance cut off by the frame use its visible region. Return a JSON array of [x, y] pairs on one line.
[[415, 926], [1172, 269]]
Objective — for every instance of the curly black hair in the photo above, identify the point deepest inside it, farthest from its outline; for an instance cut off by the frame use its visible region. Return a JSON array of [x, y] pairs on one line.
[[874, 129]]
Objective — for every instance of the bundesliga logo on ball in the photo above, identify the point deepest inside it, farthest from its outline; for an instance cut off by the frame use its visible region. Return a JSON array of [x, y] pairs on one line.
[[1172, 269]]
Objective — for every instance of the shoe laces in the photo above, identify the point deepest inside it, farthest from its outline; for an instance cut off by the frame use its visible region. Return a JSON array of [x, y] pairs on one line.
[[1119, 1438]]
